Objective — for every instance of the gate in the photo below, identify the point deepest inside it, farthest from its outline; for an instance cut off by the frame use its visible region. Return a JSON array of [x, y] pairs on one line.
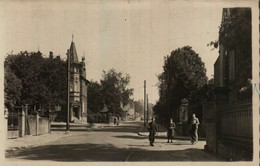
[[13, 124]]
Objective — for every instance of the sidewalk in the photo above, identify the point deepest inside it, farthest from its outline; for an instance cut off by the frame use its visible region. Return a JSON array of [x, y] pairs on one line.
[[31, 141]]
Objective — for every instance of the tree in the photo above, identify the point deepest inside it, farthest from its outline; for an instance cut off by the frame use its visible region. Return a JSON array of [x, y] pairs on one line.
[[43, 80], [27, 67], [139, 106], [12, 88], [54, 77], [183, 76], [95, 97], [114, 88]]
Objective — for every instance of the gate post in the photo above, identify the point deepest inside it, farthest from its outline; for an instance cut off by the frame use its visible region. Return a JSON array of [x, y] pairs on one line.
[[37, 122], [221, 99], [21, 123]]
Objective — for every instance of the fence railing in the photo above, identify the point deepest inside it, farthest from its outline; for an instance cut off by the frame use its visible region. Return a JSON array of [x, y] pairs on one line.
[[235, 124], [20, 124], [13, 122]]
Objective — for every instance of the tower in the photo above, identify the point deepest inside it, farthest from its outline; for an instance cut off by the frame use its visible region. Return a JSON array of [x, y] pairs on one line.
[[78, 86]]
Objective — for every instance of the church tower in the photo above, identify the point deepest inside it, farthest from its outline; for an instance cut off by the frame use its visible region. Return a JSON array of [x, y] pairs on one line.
[[78, 86]]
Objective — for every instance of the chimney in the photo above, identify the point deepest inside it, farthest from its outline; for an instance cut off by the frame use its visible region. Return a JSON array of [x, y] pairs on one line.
[[51, 55]]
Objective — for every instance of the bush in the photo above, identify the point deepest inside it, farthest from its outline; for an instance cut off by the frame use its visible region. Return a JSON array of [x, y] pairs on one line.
[[97, 118], [90, 118]]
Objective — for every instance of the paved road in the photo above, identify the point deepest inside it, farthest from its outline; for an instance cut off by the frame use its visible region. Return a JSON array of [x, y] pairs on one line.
[[118, 143]]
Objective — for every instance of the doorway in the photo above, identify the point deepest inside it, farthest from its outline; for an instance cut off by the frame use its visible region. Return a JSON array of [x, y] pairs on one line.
[[76, 112]]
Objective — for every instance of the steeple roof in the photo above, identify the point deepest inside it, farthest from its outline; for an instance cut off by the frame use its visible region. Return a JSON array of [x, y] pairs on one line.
[[73, 53]]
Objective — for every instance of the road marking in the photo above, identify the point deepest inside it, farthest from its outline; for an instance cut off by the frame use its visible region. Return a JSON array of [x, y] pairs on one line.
[[127, 157]]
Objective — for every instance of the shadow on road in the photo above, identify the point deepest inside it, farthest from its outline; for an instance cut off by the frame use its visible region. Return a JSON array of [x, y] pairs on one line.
[[127, 129], [131, 137], [108, 152]]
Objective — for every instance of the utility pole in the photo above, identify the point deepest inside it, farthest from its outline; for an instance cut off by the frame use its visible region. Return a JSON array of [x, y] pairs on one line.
[[144, 99], [168, 87], [147, 108], [68, 93]]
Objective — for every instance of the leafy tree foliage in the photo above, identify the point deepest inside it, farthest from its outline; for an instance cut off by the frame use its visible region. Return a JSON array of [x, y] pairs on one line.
[[43, 80], [114, 88], [183, 76], [12, 91], [95, 97], [139, 106]]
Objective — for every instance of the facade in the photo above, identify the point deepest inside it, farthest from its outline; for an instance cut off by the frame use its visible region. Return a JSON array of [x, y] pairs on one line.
[[227, 112], [233, 67], [78, 87]]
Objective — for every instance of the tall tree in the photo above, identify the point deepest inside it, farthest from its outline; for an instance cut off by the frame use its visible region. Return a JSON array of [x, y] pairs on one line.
[[12, 90], [115, 90], [43, 80], [95, 97], [183, 76]]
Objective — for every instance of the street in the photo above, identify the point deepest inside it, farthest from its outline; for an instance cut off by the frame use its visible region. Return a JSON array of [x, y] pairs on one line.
[[116, 143]]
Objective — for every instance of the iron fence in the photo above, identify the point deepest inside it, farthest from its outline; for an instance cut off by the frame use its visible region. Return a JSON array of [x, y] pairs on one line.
[[13, 121], [235, 125]]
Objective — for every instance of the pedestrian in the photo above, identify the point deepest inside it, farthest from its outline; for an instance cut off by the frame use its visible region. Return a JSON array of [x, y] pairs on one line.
[[114, 120], [194, 129], [152, 127], [170, 133]]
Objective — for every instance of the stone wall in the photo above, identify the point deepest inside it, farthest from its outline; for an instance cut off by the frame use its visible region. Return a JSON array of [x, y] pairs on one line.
[[232, 153], [209, 116]]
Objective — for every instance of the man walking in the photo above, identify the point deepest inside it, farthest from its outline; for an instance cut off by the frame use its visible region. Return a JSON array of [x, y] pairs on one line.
[[152, 130], [170, 133], [194, 129]]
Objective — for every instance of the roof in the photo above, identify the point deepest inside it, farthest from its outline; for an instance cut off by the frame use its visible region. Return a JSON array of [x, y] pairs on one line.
[[73, 53]]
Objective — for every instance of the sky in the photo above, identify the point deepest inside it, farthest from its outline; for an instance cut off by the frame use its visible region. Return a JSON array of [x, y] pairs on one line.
[[130, 36]]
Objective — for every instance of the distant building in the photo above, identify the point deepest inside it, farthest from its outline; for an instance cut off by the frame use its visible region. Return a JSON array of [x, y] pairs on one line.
[[129, 110], [78, 86]]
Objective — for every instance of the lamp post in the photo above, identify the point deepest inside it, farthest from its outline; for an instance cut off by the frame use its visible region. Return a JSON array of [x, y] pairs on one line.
[[68, 93]]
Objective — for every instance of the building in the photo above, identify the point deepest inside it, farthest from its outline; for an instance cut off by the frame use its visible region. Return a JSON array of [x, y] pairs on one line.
[[233, 66], [128, 109], [78, 86], [227, 112]]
